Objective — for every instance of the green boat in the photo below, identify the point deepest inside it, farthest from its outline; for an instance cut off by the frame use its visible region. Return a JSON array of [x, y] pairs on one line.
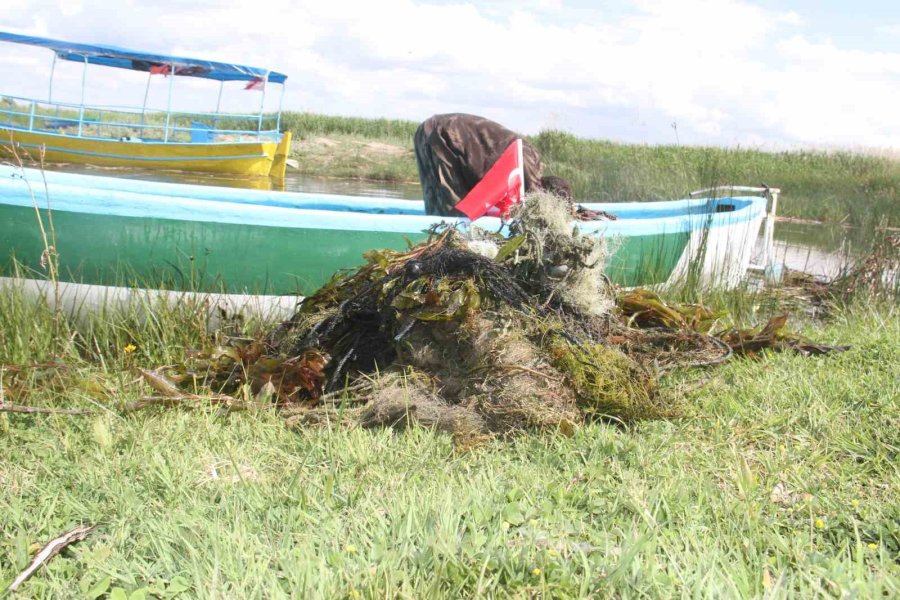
[[138, 234]]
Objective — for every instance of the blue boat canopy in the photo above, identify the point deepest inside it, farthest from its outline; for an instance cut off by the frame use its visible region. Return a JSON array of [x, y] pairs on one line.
[[111, 56]]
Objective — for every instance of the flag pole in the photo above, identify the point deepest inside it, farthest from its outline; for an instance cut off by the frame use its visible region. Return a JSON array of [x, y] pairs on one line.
[[280, 104], [218, 105], [50, 88], [144, 106], [262, 101], [169, 102], [520, 150], [81, 111]]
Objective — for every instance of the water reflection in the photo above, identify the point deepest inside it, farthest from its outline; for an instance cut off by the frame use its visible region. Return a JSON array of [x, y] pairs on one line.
[[819, 249], [353, 187], [293, 182]]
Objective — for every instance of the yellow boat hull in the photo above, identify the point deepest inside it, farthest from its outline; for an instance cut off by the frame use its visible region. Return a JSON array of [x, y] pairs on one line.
[[241, 158]]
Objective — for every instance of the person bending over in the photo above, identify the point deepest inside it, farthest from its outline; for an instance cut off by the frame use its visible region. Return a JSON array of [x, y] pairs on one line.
[[454, 151]]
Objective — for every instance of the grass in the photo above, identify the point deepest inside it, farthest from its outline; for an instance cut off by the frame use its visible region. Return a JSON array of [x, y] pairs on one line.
[[351, 156], [779, 481], [306, 124], [847, 187]]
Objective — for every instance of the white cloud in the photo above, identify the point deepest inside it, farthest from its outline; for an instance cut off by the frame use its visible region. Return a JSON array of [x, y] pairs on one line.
[[70, 8], [791, 18], [715, 67]]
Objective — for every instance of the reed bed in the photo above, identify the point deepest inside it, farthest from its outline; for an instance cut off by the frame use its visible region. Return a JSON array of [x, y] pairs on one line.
[[850, 187]]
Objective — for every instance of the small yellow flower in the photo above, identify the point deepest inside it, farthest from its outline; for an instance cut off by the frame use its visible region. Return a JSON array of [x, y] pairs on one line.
[[130, 348], [355, 594], [535, 571], [854, 503], [350, 549], [820, 524], [873, 546], [504, 525]]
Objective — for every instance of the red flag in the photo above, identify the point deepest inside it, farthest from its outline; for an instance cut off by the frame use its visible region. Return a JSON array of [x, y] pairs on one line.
[[159, 69], [501, 187], [257, 83]]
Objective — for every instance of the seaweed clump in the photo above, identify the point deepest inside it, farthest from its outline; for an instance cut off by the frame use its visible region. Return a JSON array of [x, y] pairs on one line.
[[446, 337], [477, 344], [522, 335]]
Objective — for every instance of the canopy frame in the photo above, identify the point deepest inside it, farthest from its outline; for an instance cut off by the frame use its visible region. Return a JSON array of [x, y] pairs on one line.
[[170, 66], [122, 58]]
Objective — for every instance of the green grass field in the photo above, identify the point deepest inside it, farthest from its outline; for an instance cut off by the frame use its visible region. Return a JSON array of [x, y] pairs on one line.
[[779, 480], [849, 187]]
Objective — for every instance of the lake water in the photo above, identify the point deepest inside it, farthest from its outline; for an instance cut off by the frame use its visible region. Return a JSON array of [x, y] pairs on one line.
[[292, 183], [821, 250]]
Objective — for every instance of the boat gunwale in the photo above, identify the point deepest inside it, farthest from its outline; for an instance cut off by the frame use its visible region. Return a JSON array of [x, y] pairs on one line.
[[351, 213]]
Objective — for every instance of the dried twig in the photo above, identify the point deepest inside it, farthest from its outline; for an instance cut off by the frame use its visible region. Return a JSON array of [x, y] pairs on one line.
[[192, 399], [17, 408], [38, 365], [147, 401], [523, 369], [336, 395], [527, 370], [49, 551], [161, 383]]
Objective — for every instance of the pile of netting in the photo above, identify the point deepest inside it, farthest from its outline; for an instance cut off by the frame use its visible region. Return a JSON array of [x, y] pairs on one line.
[[476, 338]]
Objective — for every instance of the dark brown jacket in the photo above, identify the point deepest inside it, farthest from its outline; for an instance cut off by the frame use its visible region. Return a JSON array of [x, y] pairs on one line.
[[454, 151]]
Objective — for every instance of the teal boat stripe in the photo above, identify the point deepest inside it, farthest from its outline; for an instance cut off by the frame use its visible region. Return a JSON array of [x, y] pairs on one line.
[[628, 212], [130, 204], [144, 158], [76, 193], [222, 194]]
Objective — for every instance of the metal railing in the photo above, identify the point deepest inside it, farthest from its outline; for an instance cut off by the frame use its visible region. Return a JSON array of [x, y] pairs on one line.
[[134, 124]]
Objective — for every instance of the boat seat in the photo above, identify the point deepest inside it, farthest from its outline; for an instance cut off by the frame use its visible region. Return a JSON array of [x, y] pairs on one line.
[[201, 133], [58, 123]]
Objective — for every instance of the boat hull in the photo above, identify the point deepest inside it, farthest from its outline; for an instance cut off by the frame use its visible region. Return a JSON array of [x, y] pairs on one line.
[[116, 232], [116, 250], [254, 158]]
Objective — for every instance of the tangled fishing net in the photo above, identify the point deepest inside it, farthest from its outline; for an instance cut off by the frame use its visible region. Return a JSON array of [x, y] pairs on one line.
[[522, 334]]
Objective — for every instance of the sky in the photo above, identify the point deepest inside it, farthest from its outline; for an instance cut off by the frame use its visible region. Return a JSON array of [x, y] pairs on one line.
[[751, 73]]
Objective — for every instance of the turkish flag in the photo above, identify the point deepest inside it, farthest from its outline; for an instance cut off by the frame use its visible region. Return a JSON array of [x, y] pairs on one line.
[[257, 83], [501, 187]]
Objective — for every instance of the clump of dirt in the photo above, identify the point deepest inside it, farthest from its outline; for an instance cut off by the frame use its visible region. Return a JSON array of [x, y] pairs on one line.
[[389, 149], [323, 141]]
